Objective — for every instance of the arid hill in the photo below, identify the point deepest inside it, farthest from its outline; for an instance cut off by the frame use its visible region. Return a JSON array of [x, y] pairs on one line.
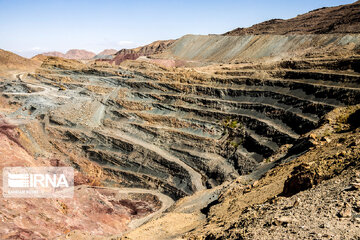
[[10, 61], [147, 50], [154, 47], [341, 19], [40, 57]]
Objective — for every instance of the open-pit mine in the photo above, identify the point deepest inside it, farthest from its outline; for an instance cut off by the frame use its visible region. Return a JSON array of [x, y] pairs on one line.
[[202, 137]]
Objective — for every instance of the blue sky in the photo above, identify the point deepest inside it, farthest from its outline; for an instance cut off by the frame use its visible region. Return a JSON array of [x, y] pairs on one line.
[[28, 27]]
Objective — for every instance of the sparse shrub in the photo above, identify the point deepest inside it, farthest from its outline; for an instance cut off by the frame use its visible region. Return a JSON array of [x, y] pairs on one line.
[[235, 130], [234, 144]]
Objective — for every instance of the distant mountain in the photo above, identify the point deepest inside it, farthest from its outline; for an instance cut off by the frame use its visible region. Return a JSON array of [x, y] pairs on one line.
[[112, 55], [54, 54], [341, 19], [78, 54], [106, 54]]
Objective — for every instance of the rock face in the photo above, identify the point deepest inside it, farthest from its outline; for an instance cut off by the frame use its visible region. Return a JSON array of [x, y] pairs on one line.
[[72, 54], [341, 19]]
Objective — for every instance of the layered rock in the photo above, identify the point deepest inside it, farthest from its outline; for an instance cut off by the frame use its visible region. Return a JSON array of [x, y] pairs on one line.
[[181, 131]]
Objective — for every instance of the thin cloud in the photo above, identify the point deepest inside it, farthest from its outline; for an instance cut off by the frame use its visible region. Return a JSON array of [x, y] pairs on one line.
[[36, 49], [124, 43]]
